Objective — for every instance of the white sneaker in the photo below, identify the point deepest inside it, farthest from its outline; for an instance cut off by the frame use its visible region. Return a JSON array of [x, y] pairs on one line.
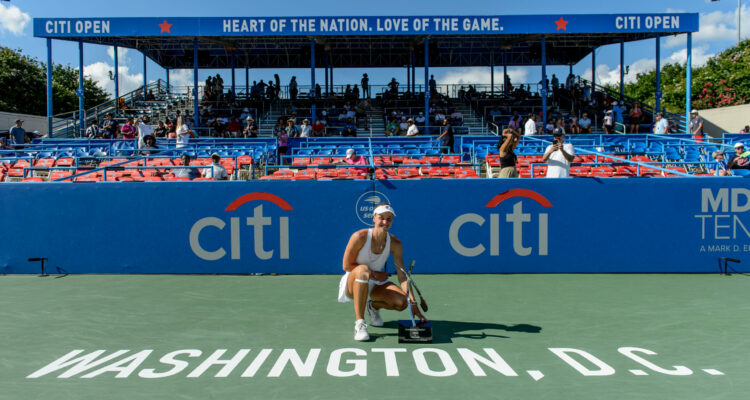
[[374, 314], [360, 331]]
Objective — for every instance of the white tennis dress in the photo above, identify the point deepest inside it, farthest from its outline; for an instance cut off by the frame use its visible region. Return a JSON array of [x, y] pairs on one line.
[[376, 262]]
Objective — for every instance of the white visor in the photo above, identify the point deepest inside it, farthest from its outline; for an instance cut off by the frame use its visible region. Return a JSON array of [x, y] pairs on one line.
[[384, 208]]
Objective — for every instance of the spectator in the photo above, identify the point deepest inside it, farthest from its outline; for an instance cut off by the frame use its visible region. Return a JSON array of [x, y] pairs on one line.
[[719, 167], [17, 134], [144, 129], [217, 171], [282, 137], [4, 144], [696, 124], [585, 123], [746, 129], [457, 116], [353, 159], [393, 128], [609, 122], [291, 129], [365, 86], [111, 127], [393, 85], [530, 126], [349, 128], [740, 159], [447, 137], [93, 132], [183, 134], [505, 146], [234, 127], [432, 85], [636, 117], [661, 124], [161, 130], [559, 126], [186, 171], [150, 95], [573, 126], [403, 125], [411, 129], [514, 122], [293, 90], [251, 130], [149, 143], [319, 128], [439, 116], [128, 129], [305, 129], [617, 110], [558, 157]]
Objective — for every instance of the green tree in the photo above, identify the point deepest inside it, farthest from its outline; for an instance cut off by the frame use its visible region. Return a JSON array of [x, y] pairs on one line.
[[23, 84]]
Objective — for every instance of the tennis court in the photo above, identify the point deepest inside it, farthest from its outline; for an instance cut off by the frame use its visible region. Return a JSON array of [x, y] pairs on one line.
[[286, 337]]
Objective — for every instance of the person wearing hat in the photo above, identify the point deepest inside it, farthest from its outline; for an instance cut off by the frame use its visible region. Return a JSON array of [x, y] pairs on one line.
[[305, 129], [609, 122], [250, 130], [217, 171], [719, 167], [696, 124], [353, 159], [17, 134], [558, 156], [412, 129], [365, 281], [740, 159], [661, 124]]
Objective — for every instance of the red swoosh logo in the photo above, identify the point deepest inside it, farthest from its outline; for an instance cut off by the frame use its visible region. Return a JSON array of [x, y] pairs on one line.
[[529, 194], [246, 198]]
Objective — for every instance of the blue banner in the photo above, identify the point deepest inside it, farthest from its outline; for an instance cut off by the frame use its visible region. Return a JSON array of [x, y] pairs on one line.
[[382, 25], [448, 226]]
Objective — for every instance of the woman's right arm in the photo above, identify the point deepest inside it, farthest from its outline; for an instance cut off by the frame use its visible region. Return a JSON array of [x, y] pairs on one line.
[[356, 242]]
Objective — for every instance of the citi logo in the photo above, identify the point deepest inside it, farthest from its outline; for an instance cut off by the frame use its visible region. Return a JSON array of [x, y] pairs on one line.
[[518, 219], [258, 221]]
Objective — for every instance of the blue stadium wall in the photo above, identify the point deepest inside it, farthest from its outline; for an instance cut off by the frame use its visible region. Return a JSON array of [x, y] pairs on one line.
[[448, 226]]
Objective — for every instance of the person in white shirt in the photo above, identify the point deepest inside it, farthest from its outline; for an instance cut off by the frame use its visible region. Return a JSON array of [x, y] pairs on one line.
[[529, 128], [420, 118], [144, 129], [404, 125], [439, 117], [558, 157], [183, 135], [661, 124], [219, 172], [412, 130], [305, 128]]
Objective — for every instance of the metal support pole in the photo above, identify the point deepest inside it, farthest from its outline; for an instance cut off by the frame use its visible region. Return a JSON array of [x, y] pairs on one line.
[[408, 76], [688, 81], [325, 67], [505, 72], [117, 82], [312, 78], [330, 68], [196, 119], [414, 74], [593, 71], [145, 79], [167, 80], [247, 82], [50, 111], [492, 75], [81, 94], [426, 86], [544, 82], [657, 93], [234, 90], [622, 69]]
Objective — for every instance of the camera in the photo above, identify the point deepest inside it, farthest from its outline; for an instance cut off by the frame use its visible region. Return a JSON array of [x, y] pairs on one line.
[[556, 141]]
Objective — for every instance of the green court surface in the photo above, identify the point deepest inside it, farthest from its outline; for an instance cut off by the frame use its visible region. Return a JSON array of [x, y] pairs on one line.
[[496, 336]]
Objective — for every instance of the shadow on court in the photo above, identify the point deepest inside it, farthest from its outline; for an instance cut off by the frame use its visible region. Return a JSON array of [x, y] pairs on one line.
[[446, 331]]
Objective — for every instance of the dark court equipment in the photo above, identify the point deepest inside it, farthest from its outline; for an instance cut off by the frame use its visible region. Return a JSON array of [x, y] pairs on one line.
[[411, 332], [42, 260], [726, 261]]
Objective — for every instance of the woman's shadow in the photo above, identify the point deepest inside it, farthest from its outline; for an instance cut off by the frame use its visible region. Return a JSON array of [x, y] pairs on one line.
[[445, 331]]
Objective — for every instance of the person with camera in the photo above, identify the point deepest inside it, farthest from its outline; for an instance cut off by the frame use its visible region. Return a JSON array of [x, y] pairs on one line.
[[558, 156]]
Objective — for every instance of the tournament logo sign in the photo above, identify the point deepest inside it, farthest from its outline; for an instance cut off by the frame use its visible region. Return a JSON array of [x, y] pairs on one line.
[[366, 204]]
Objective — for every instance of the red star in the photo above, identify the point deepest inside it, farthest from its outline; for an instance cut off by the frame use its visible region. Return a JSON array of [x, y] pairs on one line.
[[165, 27], [561, 24]]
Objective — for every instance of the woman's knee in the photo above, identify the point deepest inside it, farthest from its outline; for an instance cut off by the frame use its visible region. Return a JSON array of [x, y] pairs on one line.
[[401, 303], [361, 272]]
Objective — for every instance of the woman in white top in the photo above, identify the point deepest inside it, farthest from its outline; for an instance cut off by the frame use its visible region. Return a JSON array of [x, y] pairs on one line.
[[364, 262]]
